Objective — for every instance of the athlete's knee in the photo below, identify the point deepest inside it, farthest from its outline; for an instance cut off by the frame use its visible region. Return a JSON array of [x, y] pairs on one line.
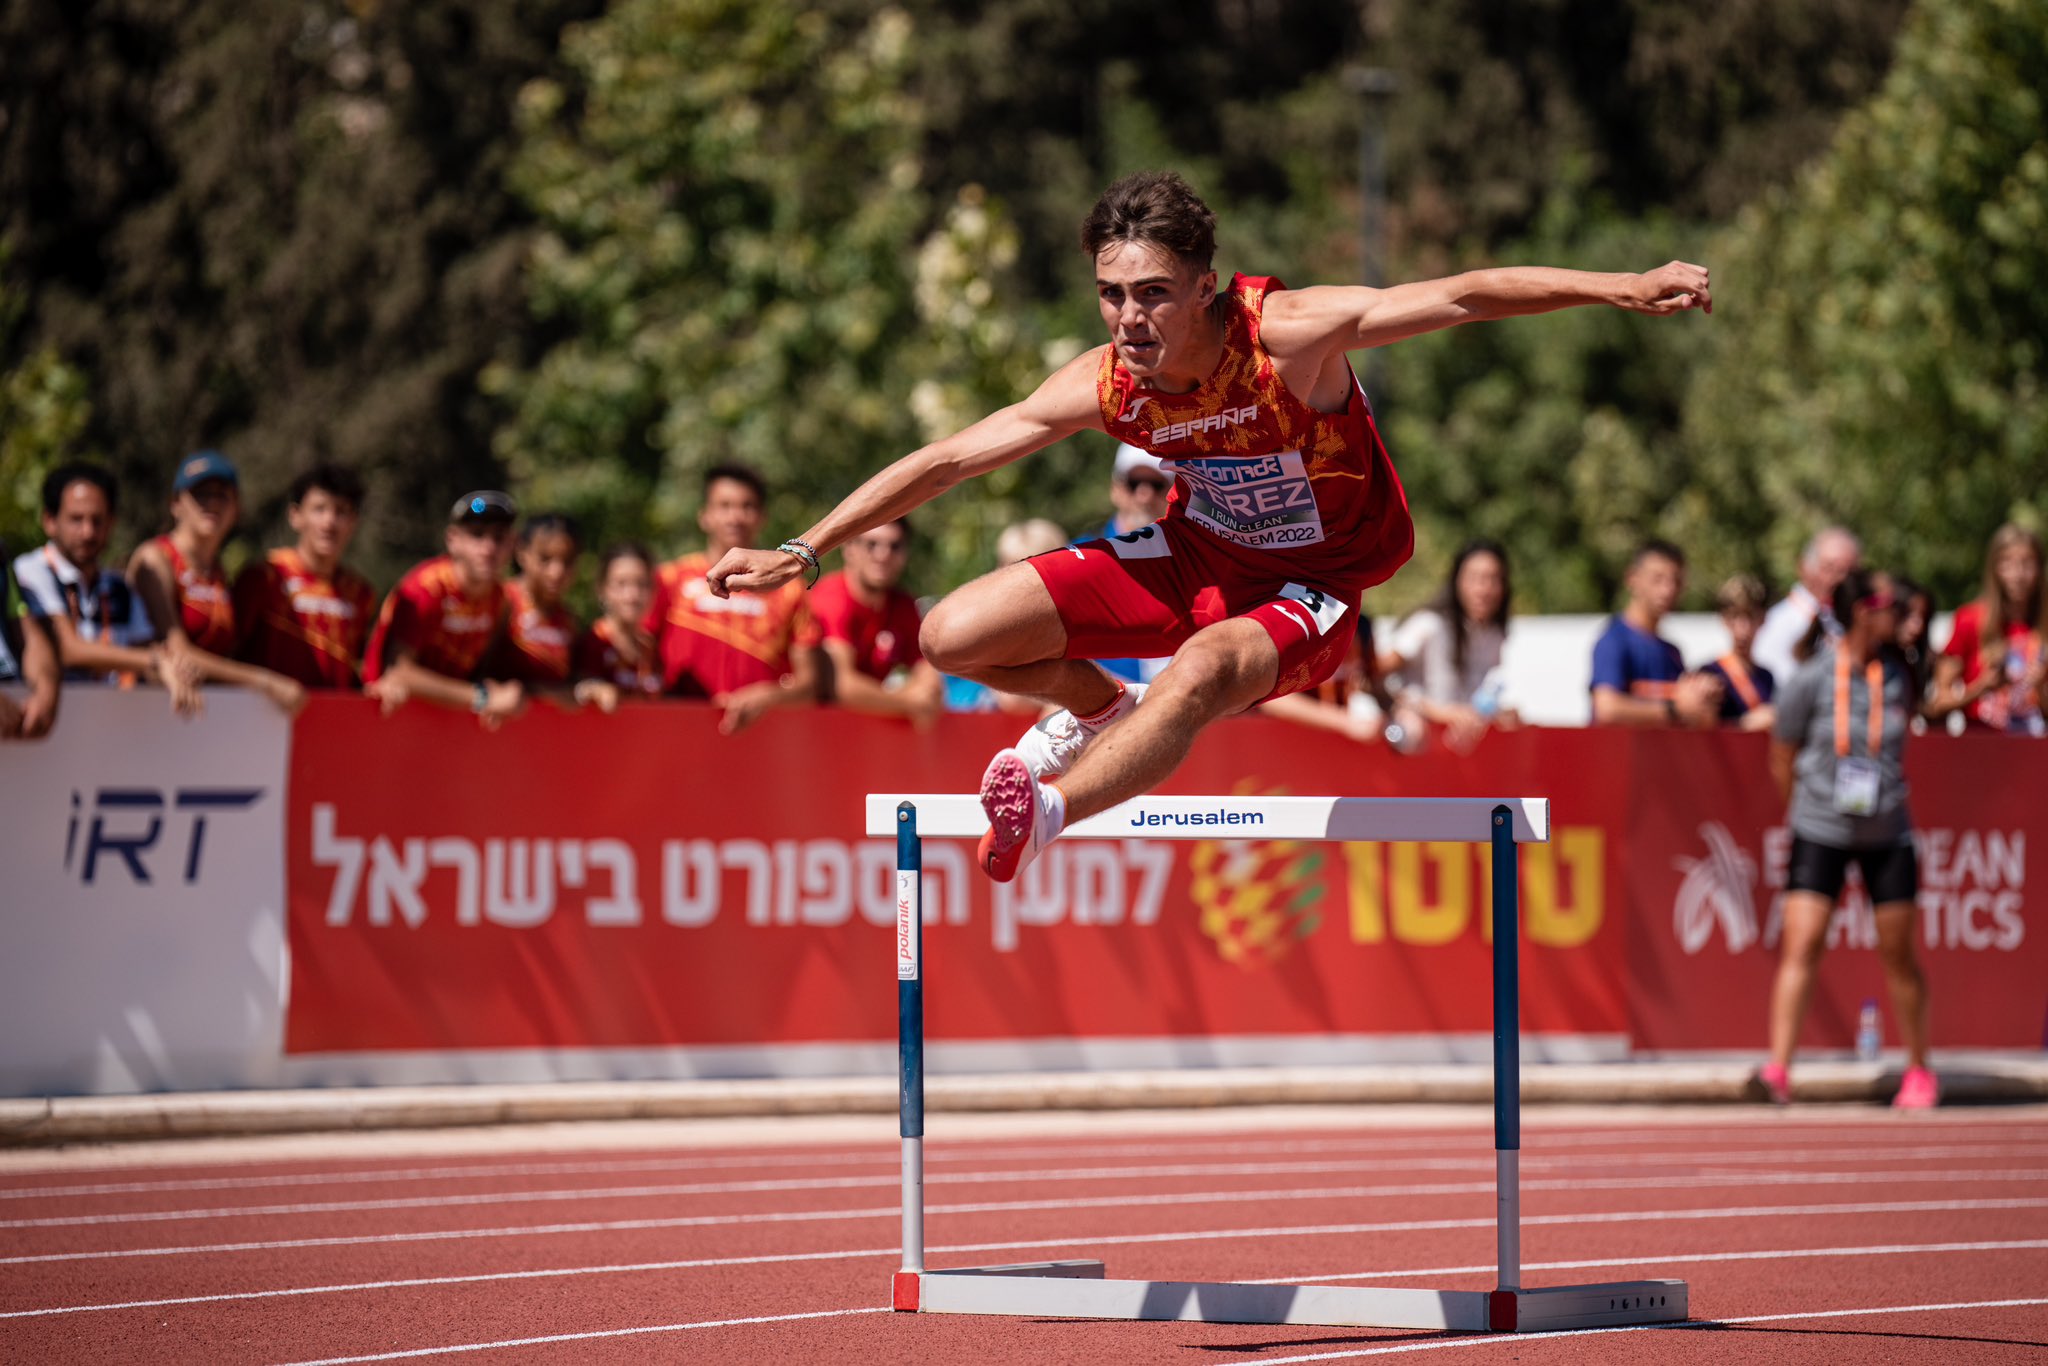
[[982, 626], [946, 638], [1211, 675]]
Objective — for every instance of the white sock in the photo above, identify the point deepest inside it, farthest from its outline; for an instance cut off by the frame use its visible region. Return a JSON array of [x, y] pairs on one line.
[[1126, 698]]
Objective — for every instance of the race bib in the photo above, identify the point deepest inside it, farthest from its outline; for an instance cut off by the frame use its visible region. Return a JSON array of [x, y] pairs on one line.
[[1264, 502], [1855, 787]]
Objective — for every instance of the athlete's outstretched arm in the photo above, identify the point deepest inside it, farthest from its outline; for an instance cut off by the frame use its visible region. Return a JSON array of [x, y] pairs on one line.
[[1351, 317], [1064, 404]]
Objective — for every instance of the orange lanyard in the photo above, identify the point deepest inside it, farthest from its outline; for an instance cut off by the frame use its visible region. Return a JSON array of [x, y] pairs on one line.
[[1738, 674], [1873, 677]]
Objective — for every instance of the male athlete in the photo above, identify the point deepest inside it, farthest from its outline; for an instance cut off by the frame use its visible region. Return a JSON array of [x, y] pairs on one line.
[[1285, 506]]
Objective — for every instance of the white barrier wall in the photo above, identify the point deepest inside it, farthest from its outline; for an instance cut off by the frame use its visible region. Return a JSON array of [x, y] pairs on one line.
[[141, 893]]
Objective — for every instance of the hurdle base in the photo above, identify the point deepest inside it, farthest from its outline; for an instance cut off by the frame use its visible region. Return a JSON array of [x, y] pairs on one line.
[[1078, 1290]]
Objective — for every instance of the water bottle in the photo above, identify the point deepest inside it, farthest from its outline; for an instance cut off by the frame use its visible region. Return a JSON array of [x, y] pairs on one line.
[[1869, 1033], [1486, 698]]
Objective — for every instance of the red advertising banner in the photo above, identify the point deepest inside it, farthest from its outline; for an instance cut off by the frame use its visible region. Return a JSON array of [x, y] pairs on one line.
[[582, 882], [634, 881], [1707, 873]]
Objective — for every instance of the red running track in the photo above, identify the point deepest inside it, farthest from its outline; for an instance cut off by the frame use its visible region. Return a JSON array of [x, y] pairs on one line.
[[1814, 1235]]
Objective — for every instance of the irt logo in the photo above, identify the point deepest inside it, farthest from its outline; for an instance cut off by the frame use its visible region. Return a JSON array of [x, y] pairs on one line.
[[137, 815]]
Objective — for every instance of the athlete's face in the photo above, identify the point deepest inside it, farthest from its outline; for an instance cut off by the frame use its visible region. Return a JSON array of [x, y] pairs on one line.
[[626, 591], [731, 516], [547, 562], [481, 551], [1913, 614], [1154, 305], [1742, 627], [324, 525], [1139, 497], [876, 560], [82, 523], [1833, 558], [209, 509], [1481, 586], [1656, 583], [2018, 571]]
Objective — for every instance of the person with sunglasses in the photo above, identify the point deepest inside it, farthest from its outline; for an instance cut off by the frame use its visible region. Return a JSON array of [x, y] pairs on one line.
[[869, 625], [1837, 754]]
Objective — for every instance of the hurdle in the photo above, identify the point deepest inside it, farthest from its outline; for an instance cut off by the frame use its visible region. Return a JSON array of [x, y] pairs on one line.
[[1078, 1288]]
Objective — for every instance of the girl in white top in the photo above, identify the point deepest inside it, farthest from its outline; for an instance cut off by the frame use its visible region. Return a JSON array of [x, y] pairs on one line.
[[1448, 653]]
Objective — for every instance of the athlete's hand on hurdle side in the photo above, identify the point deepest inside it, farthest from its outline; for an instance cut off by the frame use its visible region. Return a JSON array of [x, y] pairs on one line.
[[1671, 288], [753, 570]]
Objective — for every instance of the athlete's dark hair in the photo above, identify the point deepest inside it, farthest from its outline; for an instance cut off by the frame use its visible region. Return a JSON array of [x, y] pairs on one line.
[[555, 523], [1446, 605], [1661, 549], [624, 550], [64, 476], [1157, 208], [739, 474], [335, 480]]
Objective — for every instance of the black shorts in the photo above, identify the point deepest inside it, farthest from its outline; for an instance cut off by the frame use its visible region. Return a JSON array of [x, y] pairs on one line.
[[1891, 872]]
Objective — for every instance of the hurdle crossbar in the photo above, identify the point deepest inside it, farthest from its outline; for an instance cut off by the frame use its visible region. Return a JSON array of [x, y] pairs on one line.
[[1079, 1288]]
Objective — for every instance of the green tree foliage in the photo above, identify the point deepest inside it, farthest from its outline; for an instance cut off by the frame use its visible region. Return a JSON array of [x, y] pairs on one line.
[[1881, 354], [1556, 435], [736, 250], [305, 232], [1638, 107], [44, 412], [277, 229]]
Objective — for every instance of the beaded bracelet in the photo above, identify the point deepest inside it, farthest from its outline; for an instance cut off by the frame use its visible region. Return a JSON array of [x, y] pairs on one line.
[[803, 551]]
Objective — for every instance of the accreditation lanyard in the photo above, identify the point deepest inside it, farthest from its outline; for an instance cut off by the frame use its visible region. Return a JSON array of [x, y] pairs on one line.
[[74, 598], [1873, 676], [1738, 676]]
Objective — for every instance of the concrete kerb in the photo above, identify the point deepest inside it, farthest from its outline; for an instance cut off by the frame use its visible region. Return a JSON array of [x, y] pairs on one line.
[[79, 1119]]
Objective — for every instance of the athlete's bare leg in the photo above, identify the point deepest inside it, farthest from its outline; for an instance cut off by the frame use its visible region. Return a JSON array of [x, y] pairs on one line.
[[1802, 939], [1003, 630], [1219, 671]]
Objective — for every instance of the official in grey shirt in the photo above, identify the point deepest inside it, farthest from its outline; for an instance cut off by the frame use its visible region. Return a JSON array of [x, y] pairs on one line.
[[1838, 755]]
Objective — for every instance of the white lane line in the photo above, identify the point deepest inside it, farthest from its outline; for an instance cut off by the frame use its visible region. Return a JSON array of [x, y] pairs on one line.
[[1314, 1230], [590, 1336], [1533, 1162], [1491, 1340], [1872, 1142], [1530, 1339], [1671, 1259], [1662, 1181], [1406, 1273]]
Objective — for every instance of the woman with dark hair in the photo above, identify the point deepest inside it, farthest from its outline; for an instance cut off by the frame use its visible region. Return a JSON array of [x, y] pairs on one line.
[[617, 648], [1994, 668], [1448, 652], [1837, 753], [540, 631], [1916, 624]]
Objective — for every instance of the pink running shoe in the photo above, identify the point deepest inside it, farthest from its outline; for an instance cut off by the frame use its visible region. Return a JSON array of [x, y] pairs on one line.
[[1019, 823], [1776, 1080], [1918, 1090]]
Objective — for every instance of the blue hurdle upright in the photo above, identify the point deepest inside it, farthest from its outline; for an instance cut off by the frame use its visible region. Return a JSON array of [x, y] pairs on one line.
[[1078, 1288]]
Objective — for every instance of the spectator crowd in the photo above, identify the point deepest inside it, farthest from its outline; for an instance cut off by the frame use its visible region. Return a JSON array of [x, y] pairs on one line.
[[485, 626]]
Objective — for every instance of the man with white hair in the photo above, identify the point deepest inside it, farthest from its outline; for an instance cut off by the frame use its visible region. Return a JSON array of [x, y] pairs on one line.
[[1825, 562]]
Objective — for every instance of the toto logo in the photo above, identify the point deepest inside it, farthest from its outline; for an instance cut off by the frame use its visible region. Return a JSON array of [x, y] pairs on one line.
[[1718, 889], [127, 822]]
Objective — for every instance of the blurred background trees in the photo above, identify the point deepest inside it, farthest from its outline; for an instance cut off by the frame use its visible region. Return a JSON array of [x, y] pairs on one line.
[[588, 249]]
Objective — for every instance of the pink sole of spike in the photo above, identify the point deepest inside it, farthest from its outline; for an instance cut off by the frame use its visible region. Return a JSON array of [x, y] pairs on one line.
[[1008, 801]]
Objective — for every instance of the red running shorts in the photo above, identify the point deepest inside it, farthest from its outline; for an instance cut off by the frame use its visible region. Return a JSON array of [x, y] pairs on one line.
[[1141, 594]]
